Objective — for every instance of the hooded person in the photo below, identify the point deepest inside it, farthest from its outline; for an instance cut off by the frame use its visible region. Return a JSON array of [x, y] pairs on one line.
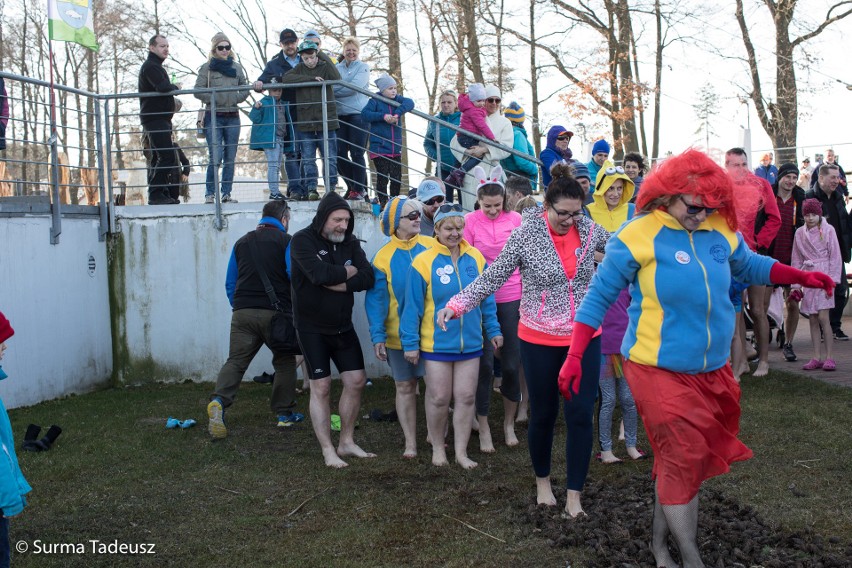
[[328, 266], [558, 138], [611, 206]]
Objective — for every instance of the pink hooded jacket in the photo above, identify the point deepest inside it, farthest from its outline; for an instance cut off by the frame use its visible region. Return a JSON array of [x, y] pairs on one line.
[[490, 237]]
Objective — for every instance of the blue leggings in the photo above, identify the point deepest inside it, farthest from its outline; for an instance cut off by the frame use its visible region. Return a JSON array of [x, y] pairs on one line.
[[541, 367]]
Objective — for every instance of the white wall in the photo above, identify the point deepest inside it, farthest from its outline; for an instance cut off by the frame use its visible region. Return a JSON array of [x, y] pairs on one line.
[[58, 308], [173, 315]]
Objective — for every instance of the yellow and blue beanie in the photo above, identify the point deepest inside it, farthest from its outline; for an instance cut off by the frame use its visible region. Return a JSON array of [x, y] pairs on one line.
[[514, 112], [391, 214]]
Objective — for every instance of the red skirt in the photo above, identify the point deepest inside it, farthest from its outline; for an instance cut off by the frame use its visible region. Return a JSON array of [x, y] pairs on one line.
[[692, 422]]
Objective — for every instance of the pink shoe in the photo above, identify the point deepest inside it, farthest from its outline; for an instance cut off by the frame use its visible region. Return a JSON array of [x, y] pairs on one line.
[[813, 364], [829, 365]]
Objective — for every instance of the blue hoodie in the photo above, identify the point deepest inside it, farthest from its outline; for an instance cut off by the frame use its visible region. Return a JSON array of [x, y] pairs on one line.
[[385, 139], [551, 154]]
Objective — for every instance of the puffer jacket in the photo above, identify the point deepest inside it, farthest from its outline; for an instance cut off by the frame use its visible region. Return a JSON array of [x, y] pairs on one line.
[[385, 139], [225, 101], [549, 300], [264, 124]]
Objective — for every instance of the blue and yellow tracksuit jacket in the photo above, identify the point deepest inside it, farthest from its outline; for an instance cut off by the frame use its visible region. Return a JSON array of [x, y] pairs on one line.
[[384, 301], [681, 316], [432, 281]]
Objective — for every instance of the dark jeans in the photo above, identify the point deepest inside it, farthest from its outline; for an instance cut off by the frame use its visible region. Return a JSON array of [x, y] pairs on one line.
[[508, 315], [442, 172], [351, 144], [541, 367], [250, 328], [388, 169], [841, 296], [164, 160]]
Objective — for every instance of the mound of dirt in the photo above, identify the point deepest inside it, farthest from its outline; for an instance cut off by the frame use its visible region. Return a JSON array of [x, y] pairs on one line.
[[618, 530]]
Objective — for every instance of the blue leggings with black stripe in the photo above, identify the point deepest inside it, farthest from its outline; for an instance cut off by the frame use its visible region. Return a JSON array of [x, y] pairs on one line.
[[541, 367]]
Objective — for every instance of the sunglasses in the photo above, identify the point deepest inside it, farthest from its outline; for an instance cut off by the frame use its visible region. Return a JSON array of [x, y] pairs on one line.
[[224, 47], [493, 100], [413, 216], [696, 209], [448, 207], [563, 137], [434, 200]]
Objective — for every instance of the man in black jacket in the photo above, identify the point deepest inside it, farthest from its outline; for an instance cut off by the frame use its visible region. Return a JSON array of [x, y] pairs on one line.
[[328, 267], [251, 320], [834, 209], [155, 114]]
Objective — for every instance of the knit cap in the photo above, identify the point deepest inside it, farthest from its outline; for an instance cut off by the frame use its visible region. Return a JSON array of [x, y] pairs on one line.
[[391, 214], [581, 170], [217, 39], [6, 330], [448, 210], [786, 169], [812, 206], [476, 92], [385, 82], [601, 146], [514, 112]]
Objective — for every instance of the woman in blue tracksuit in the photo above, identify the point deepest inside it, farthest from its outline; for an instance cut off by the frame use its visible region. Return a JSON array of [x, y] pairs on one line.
[[386, 136], [272, 132], [452, 356]]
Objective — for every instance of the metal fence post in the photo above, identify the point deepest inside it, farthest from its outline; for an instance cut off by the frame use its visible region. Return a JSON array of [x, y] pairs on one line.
[[326, 162], [99, 145], [110, 204], [56, 208]]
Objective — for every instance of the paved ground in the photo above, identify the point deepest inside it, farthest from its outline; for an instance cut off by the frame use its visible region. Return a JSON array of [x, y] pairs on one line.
[[804, 350]]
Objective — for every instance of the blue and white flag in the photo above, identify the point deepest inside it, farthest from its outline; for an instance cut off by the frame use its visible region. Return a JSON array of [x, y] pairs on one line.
[[71, 20]]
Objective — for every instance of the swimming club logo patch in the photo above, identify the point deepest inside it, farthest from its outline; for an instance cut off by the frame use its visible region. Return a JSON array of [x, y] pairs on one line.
[[73, 12], [719, 254], [682, 257]]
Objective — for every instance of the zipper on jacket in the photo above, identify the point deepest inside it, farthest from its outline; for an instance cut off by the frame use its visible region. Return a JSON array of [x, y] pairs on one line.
[[541, 307], [461, 287], [709, 300]]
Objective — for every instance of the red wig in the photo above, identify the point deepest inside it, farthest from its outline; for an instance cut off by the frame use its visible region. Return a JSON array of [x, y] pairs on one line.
[[691, 173]]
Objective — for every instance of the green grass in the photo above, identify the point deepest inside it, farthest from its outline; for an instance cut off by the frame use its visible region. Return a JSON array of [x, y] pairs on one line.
[[116, 474]]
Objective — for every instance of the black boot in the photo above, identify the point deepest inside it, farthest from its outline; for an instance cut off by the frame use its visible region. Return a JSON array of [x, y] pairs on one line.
[[33, 430], [46, 442]]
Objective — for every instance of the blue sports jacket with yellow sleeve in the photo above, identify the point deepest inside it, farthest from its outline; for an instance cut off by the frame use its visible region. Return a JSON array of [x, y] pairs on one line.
[[433, 279], [384, 301], [681, 316]]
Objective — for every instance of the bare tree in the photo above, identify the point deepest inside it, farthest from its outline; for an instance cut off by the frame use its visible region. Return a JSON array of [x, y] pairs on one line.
[[779, 118]]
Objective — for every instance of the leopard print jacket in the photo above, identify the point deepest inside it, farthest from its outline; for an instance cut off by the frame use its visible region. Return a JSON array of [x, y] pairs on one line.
[[550, 299]]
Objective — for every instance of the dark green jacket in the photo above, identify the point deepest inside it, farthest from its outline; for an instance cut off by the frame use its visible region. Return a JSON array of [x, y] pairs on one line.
[[309, 99]]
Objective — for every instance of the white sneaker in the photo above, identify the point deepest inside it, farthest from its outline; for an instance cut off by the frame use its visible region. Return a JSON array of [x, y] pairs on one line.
[[209, 199]]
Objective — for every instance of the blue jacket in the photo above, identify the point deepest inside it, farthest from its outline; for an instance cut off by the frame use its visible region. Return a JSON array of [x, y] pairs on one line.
[[770, 174], [350, 101], [13, 486], [384, 301], [431, 146], [426, 293], [264, 120], [520, 166], [385, 139], [681, 328], [233, 272], [551, 154]]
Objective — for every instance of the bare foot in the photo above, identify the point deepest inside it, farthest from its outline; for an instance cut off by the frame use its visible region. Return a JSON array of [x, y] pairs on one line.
[[410, 453], [353, 451], [635, 453], [333, 460], [523, 416], [608, 457], [466, 462], [762, 369], [439, 456], [486, 444], [572, 504], [509, 432], [544, 492]]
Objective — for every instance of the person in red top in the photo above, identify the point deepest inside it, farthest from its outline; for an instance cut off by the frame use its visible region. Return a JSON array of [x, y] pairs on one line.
[[748, 209]]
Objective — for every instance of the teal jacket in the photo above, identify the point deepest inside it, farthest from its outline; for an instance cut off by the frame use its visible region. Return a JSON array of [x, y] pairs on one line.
[[13, 486], [263, 124], [431, 145], [432, 280], [515, 165], [681, 316]]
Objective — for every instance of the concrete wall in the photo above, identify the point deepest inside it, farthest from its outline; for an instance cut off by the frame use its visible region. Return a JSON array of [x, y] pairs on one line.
[[171, 316], [55, 297]]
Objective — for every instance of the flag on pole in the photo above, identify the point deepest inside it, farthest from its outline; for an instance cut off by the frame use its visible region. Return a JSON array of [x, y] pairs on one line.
[[71, 20]]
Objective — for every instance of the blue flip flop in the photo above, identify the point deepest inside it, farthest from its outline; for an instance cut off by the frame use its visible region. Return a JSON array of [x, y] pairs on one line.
[[188, 423], [172, 423]]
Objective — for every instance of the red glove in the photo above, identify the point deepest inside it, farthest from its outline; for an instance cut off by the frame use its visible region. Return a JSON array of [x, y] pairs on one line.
[[783, 274], [571, 371], [795, 295]]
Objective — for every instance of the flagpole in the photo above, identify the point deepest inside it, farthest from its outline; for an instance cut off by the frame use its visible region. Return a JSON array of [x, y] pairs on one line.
[[56, 226]]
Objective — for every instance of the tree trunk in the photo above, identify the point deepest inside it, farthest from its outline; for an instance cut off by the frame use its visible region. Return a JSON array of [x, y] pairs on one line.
[[658, 80]]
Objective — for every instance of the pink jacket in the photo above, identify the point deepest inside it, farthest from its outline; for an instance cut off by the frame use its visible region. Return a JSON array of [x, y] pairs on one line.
[[473, 118], [490, 237]]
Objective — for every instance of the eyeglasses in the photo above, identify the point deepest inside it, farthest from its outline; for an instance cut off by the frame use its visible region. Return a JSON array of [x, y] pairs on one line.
[[224, 47], [447, 207], [413, 216], [434, 200], [566, 214], [696, 209], [494, 100], [563, 137]]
